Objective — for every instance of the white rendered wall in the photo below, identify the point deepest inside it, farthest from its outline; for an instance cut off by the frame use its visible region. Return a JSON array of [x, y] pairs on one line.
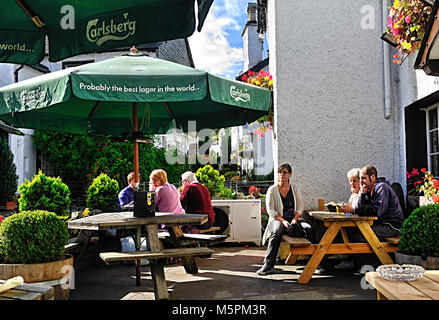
[[329, 98]]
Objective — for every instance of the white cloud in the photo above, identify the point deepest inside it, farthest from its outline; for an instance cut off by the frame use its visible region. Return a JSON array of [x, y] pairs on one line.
[[211, 48]]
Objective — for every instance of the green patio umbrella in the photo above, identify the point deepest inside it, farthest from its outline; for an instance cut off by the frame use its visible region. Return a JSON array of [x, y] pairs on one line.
[[131, 94], [76, 27]]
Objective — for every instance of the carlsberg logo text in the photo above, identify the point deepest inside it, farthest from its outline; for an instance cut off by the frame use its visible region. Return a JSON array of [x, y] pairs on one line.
[[101, 31], [239, 95], [32, 96]]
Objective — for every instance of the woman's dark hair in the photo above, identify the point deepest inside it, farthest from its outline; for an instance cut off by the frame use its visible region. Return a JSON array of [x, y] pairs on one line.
[[284, 166]]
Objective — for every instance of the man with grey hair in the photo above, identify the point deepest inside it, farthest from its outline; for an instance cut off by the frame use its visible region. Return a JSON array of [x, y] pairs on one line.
[[195, 198]]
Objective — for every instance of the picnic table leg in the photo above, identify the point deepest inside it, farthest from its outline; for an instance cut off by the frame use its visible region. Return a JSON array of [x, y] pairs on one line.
[[319, 253], [159, 281], [137, 262], [190, 266], [374, 242]]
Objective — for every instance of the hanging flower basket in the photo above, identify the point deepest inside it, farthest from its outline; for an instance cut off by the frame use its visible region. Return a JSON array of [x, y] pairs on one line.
[[406, 24], [264, 80]]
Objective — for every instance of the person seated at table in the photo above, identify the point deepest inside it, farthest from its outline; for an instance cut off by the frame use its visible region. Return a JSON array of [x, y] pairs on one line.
[[354, 182], [195, 198], [126, 195], [167, 197], [377, 198], [284, 207]]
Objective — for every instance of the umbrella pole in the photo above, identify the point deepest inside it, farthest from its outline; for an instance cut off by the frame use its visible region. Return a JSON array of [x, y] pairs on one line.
[[136, 181], [136, 145]]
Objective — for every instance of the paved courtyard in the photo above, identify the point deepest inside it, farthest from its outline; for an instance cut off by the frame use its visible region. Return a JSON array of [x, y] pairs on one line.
[[228, 275]]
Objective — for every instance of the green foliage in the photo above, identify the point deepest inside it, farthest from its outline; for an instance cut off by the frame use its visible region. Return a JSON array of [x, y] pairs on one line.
[[32, 237], [44, 193], [420, 232], [211, 178], [227, 193], [8, 176], [102, 194], [84, 157]]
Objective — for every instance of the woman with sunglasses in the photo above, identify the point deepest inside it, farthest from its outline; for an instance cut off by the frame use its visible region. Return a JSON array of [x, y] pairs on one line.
[[284, 207]]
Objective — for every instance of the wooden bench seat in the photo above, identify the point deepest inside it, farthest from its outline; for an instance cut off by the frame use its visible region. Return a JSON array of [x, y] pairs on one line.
[[211, 229], [195, 236], [70, 246], [294, 248], [165, 253], [394, 240], [296, 242]]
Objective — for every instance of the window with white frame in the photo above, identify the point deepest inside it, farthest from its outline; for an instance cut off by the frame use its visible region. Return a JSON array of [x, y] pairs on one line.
[[431, 117]]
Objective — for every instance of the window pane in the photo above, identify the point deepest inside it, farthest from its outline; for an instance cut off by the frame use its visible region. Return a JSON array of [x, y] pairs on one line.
[[432, 114], [435, 165], [434, 142]]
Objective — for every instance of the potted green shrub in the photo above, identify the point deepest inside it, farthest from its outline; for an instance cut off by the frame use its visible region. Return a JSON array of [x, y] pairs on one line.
[[419, 242], [32, 246], [102, 194], [8, 176], [212, 179], [45, 193]]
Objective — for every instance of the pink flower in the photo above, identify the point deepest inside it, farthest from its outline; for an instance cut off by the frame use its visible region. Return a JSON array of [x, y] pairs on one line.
[[408, 19]]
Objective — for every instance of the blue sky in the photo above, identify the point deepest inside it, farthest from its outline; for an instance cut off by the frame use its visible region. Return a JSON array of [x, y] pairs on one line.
[[218, 47]]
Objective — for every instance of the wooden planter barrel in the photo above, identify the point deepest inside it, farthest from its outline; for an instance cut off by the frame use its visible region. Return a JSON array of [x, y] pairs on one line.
[[428, 263], [42, 272]]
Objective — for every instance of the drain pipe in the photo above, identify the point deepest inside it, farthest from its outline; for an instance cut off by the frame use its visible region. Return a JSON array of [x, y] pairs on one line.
[[387, 72]]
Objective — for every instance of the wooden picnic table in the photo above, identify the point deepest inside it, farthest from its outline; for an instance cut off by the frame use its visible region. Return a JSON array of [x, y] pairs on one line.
[[28, 291], [424, 288], [126, 220], [337, 223]]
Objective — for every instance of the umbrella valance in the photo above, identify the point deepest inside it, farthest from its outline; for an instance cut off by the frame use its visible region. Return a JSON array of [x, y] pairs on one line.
[[77, 27], [99, 97]]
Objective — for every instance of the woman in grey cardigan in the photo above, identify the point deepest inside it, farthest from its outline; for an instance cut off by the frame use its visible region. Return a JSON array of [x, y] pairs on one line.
[[284, 207]]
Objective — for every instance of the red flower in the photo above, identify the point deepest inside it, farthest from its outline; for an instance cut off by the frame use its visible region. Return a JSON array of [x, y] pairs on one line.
[[423, 170], [415, 171], [244, 77], [1, 218], [435, 198]]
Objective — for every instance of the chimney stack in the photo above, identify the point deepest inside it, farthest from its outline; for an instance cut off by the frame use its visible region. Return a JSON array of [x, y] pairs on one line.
[[252, 44]]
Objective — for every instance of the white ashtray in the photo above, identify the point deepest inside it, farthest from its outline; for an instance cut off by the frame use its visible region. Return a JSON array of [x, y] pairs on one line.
[[396, 272]]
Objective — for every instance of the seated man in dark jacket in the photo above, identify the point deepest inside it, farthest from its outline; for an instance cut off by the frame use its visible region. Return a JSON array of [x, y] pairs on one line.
[[377, 198], [195, 198]]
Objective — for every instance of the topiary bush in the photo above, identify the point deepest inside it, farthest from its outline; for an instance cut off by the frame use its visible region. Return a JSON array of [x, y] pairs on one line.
[[211, 178], [102, 194], [45, 193], [8, 175], [420, 232], [32, 237]]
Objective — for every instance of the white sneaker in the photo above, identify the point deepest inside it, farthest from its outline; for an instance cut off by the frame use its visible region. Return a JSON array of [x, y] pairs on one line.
[[338, 257], [345, 265]]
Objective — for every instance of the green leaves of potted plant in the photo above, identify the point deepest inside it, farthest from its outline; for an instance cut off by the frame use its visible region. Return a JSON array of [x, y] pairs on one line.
[[102, 194], [8, 176], [419, 243], [45, 193], [32, 246]]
